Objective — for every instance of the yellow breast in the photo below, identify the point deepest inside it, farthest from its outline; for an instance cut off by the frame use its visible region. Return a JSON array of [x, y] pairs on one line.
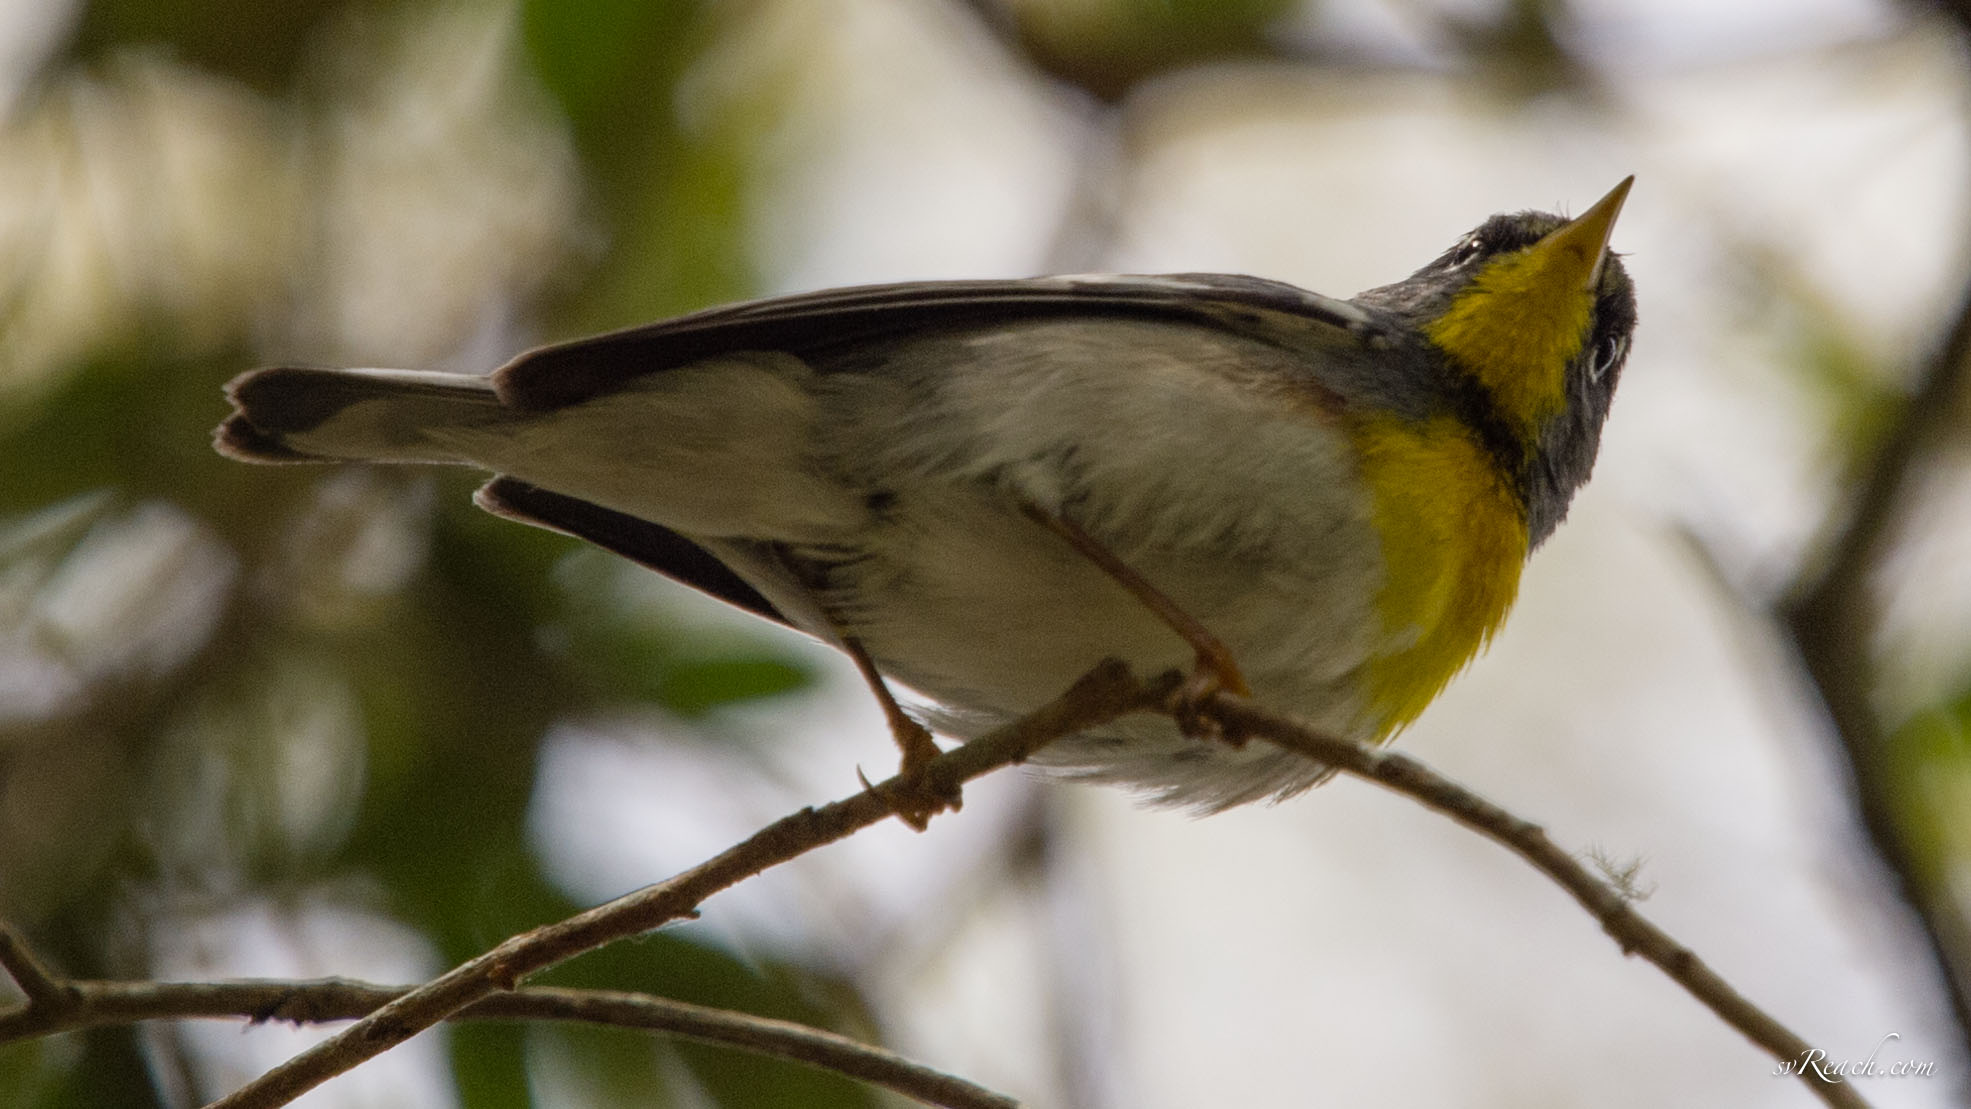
[[1453, 542]]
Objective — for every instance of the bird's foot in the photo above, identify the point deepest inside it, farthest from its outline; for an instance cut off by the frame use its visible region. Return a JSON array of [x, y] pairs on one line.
[[1215, 672]]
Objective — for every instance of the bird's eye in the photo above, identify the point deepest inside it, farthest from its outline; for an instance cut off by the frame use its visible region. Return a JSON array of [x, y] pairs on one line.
[[1468, 250], [1607, 353]]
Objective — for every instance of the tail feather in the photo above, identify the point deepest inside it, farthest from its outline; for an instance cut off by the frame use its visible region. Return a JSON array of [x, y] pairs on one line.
[[300, 414]]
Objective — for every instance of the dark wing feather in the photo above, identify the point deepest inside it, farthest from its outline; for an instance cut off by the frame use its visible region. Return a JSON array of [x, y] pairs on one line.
[[640, 541], [812, 324]]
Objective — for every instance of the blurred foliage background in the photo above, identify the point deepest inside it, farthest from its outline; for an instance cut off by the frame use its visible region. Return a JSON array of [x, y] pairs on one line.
[[297, 722]]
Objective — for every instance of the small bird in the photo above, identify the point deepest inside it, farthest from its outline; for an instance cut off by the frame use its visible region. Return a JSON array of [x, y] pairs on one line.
[[982, 489]]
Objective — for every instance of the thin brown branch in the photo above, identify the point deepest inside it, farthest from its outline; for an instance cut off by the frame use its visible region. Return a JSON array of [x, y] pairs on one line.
[[782, 1039], [1107, 692], [475, 987], [91, 1004], [43, 991], [1617, 915]]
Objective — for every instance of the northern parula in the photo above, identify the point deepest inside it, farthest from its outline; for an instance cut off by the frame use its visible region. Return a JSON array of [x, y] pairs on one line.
[[983, 488]]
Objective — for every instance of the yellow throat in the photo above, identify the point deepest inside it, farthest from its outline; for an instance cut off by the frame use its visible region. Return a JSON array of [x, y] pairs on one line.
[[1452, 524]]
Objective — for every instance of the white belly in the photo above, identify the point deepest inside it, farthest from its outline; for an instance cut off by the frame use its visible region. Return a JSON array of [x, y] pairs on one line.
[[898, 491], [966, 600]]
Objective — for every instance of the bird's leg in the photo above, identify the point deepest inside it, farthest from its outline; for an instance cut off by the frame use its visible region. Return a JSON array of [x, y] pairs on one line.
[[1215, 670], [917, 801]]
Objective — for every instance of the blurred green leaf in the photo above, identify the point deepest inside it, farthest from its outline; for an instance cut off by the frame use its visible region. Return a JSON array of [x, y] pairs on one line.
[[76, 1070], [668, 964], [697, 686], [630, 660], [602, 59], [1930, 776], [670, 198], [85, 435], [137, 420], [678, 242], [1855, 396], [33, 1071], [489, 1064], [610, 1067], [618, 635], [112, 1071], [458, 699]]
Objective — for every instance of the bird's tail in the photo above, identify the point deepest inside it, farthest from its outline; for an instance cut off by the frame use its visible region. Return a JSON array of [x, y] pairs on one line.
[[297, 414]]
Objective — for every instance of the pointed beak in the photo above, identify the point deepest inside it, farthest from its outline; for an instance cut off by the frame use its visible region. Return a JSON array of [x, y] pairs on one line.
[[1581, 245]]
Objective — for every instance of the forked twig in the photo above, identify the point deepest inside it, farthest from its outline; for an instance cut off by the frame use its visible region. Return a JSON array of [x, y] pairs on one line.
[[1105, 693], [486, 986], [90, 1004]]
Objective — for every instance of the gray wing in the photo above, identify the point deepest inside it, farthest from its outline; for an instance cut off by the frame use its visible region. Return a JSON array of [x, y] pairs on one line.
[[811, 325]]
